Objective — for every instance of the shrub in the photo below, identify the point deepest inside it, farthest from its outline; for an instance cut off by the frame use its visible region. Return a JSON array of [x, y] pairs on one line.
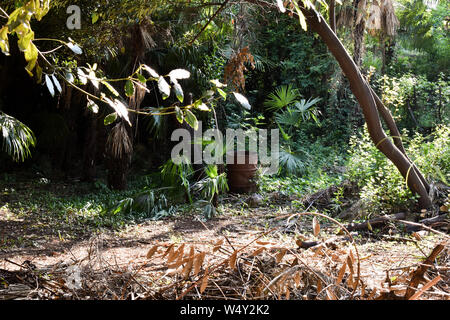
[[382, 187]]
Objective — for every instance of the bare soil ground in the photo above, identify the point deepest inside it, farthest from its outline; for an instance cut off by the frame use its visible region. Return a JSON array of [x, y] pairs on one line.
[[242, 253]]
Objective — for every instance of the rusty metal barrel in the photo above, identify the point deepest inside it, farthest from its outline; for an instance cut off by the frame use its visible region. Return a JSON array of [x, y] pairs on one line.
[[242, 171]]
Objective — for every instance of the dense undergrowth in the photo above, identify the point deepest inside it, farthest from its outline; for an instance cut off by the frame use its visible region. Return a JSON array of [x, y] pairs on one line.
[[72, 209]]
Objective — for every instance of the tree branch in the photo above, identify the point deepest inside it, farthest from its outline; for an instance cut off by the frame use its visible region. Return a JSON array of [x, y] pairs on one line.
[[209, 21]]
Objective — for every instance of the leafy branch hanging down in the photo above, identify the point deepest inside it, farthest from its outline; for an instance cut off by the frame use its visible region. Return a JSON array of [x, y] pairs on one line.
[[19, 24]]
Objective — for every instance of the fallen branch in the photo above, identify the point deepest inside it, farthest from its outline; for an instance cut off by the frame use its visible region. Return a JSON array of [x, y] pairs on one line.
[[330, 243], [419, 273], [432, 222], [375, 223], [423, 226], [399, 217]]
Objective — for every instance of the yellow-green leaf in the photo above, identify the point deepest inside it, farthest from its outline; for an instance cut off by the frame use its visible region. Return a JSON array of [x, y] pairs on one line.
[[95, 17], [179, 114], [31, 53], [110, 118], [111, 88], [129, 88], [30, 66], [222, 93], [4, 44], [178, 91], [191, 119], [38, 74]]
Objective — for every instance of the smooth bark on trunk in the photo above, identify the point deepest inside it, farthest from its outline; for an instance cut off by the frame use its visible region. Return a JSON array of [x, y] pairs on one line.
[[367, 101], [395, 133]]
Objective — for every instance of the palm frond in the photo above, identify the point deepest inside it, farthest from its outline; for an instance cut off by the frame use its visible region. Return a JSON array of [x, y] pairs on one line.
[[289, 118], [17, 137], [306, 109], [178, 175], [282, 97], [301, 111], [292, 162], [119, 142], [150, 203], [214, 183]]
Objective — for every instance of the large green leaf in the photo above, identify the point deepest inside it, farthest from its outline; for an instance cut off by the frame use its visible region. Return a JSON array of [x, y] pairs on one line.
[[110, 88], [282, 97], [110, 118], [179, 114], [129, 88]]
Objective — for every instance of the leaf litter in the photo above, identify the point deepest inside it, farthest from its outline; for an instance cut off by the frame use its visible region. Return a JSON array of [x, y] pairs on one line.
[[229, 258]]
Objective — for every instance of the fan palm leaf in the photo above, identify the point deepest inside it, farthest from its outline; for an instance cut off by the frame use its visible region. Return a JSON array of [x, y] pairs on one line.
[[291, 161], [283, 96], [17, 137]]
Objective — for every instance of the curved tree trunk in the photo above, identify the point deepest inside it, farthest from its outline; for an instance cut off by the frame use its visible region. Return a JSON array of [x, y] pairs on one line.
[[395, 134], [367, 101]]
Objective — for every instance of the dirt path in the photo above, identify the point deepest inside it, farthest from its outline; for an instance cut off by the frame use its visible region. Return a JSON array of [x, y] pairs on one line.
[[381, 261]]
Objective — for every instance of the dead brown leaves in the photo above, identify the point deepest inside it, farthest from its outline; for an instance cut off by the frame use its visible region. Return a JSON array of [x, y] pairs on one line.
[[235, 68]]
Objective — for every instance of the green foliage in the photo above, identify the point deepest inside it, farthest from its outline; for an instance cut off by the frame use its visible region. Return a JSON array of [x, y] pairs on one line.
[[70, 209], [315, 180], [383, 189], [290, 113], [282, 97], [19, 23], [177, 175], [424, 32], [297, 113], [17, 138], [293, 162], [210, 187], [149, 203], [415, 101], [431, 154], [213, 184]]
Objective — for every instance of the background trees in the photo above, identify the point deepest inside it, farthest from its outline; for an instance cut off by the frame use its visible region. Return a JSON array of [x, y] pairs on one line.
[[247, 43]]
